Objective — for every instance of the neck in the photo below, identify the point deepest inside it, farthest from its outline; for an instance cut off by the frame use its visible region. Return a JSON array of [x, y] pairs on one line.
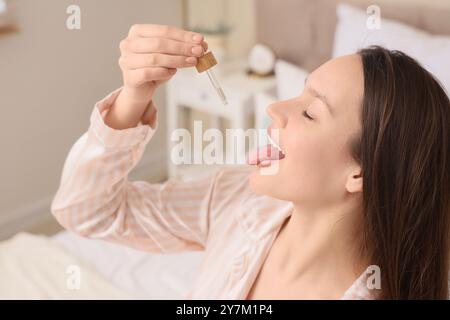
[[321, 241]]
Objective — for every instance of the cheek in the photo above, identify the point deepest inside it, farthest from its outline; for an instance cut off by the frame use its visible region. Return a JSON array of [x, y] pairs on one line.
[[301, 171], [306, 168], [313, 168], [311, 172], [308, 153]]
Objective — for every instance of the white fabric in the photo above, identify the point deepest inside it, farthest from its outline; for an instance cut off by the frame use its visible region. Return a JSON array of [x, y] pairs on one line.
[[140, 274], [35, 267], [432, 51], [290, 79]]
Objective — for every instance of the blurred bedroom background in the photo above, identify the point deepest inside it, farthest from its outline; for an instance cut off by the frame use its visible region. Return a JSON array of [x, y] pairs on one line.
[[51, 76]]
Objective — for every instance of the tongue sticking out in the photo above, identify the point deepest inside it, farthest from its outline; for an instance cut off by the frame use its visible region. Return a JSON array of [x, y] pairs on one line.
[[264, 155]]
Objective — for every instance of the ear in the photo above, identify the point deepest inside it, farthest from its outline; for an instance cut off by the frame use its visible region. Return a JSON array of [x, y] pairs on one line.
[[354, 181]]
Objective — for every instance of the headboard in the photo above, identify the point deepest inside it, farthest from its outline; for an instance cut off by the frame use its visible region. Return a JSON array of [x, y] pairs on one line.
[[302, 31]]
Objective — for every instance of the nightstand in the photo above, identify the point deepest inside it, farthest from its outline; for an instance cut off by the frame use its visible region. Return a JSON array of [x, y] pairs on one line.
[[191, 90]]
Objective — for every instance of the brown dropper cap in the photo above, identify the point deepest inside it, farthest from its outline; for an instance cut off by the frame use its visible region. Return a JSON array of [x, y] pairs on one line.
[[205, 62]]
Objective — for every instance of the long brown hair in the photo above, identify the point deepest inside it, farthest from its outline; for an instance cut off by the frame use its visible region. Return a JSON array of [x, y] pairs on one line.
[[404, 154]]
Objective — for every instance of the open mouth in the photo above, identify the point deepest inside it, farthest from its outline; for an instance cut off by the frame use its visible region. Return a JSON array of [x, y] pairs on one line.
[[265, 155]]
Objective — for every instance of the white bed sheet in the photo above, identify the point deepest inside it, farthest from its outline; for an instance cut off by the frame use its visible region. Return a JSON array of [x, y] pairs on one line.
[[140, 274], [36, 267]]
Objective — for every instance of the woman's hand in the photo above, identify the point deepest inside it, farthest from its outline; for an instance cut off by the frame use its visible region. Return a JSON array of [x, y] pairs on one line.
[[150, 56]]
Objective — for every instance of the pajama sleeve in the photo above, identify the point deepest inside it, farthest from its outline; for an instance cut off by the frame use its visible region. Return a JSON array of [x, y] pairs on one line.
[[96, 200]]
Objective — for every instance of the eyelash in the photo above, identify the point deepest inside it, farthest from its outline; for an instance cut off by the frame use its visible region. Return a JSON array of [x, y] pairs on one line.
[[306, 115]]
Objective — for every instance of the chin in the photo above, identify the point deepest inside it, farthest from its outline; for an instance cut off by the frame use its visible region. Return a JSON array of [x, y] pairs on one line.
[[264, 184]]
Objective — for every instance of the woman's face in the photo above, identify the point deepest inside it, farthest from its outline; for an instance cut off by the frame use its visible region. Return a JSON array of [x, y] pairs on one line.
[[314, 130]]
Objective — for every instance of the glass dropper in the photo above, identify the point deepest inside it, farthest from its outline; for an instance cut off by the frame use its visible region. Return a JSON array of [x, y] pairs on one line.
[[205, 63]]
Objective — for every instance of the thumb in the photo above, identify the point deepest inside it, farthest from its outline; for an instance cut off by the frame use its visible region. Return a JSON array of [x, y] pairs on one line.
[[149, 115]]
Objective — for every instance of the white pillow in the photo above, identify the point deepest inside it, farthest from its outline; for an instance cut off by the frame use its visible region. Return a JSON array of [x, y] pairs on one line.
[[433, 52], [290, 79]]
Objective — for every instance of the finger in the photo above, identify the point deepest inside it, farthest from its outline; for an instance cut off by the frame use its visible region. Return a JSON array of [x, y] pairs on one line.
[[140, 76], [160, 45], [163, 31], [137, 61], [205, 46]]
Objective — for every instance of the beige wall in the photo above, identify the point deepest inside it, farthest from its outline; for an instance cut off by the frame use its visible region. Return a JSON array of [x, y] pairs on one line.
[[436, 3], [238, 14], [50, 78]]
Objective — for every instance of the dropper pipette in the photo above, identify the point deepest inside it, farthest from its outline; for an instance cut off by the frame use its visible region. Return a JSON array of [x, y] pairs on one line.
[[205, 63]]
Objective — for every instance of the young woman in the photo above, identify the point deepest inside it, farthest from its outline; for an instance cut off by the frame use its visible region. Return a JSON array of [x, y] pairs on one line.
[[362, 182]]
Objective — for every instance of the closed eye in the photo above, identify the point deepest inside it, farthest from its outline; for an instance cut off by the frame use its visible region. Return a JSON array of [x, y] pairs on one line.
[[306, 115]]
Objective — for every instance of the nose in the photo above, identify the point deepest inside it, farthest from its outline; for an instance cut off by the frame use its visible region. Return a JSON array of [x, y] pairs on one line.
[[277, 111]]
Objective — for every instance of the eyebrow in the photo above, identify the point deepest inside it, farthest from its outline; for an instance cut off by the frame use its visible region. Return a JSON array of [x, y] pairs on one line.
[[320, 96]]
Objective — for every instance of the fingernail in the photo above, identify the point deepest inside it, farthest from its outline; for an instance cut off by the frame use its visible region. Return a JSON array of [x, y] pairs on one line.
[[197, 50], [191, 60], [197, 38]]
